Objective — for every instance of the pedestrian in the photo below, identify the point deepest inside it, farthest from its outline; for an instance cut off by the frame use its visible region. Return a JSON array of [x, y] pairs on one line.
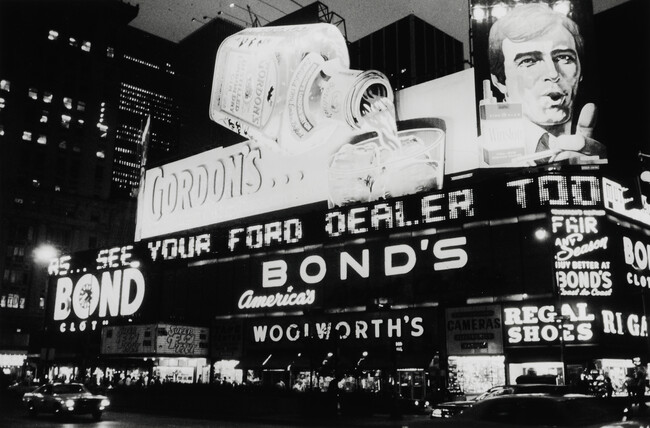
[[639, 385]]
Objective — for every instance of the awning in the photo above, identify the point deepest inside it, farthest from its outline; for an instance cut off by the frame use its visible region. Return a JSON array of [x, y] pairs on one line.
[[383, 360], [268, 360]]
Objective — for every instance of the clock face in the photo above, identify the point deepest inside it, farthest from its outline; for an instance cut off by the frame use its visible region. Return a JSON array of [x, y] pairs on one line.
[[85, 297]]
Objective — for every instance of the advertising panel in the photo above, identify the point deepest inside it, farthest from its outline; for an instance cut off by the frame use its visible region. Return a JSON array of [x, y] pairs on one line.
[[537, 83], [182, 340], [474, 330], [582, 259], [159, 339], [128, 339], [631, 261], [415, 329], [605, 322], [95, 288]]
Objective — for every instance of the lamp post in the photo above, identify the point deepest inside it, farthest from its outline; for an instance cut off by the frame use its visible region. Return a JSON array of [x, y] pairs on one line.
[[43, 254], [560, 320]]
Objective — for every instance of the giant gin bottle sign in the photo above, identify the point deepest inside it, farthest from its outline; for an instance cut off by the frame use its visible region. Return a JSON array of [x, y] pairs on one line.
[[319, 132]]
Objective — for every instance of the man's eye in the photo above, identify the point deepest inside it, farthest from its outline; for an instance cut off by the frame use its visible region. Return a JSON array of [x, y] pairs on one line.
[[526, 62], [565, 59]]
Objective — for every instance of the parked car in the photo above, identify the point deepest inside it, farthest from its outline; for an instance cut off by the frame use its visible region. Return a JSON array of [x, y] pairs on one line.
[[19, 388], [533, 410], [454, 408], [65, 399]]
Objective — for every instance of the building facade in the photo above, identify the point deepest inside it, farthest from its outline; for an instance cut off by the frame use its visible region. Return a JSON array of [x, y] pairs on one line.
[[72, 77], [498, 275]]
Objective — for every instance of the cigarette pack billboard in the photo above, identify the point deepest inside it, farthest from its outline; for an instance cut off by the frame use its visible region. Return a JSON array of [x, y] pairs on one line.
[[535, 83]]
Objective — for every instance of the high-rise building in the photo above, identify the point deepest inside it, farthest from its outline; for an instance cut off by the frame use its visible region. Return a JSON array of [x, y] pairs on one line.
[[76, 85], [408, 51], [146, 88]]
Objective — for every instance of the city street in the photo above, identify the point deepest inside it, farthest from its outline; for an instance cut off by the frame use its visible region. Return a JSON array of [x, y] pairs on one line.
[[13, 416]]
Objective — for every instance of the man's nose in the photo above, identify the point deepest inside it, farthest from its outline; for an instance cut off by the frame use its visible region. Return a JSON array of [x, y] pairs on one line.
[[551, 70]]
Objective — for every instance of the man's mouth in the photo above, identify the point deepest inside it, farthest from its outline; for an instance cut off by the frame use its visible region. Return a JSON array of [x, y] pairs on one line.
[[555, 97]]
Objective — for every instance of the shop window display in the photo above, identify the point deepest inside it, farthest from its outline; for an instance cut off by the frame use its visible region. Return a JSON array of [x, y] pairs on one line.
[[551, 369], [473, 375]]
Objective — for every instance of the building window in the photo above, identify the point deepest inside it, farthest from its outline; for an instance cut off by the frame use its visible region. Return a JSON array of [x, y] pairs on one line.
[[19, 201], [53, 35], [27, 136], [42, 139], [33, 93], [81, 106], [44, 115], [85, 46], [3, 301], [36, 183], [73, 42], [101, 154], [57, 188], [2, 130], [2, 103], [65, 121], [63, 145], [41, 303], [110, 52], [67, 102], [5, 85], [47, 97]]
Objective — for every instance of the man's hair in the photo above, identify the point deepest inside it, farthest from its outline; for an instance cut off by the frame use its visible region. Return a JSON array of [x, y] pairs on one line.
[[525, 22]]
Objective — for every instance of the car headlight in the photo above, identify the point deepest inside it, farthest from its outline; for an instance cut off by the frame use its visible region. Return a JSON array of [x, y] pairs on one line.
[[69, 403], [105, 403], [436, 413]]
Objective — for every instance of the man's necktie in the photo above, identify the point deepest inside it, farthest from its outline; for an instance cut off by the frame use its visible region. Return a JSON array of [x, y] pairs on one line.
[[542, 145]]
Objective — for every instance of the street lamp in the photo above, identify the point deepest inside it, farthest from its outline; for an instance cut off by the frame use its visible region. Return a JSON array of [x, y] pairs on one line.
[[44, 253]]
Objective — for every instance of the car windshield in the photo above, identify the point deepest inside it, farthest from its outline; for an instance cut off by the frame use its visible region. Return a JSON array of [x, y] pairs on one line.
[[69, 389]]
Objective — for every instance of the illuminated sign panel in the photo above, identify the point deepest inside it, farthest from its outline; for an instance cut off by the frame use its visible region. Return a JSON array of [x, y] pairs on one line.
[[361, 328], [228, 183], [582, 267], [624, 324], [300, 280], [539, 324], [112, 286], [159, 339], [483, 200], [474, 330], [606, 322]]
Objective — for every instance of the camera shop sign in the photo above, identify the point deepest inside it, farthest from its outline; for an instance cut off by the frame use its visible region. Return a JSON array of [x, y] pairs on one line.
[[474, 330], [579, 252], [539, 324], [114, 288]]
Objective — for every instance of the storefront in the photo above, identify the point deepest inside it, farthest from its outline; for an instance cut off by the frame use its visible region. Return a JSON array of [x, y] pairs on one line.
[[12, 364], [158, 353]]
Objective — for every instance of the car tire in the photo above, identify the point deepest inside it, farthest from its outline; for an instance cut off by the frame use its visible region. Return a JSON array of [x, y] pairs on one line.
[[97, 415], [32, 411]]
